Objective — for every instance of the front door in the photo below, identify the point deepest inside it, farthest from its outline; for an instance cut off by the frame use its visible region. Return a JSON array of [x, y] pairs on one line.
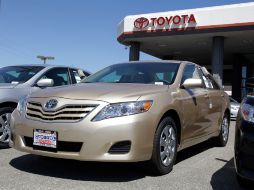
[[195, 107]]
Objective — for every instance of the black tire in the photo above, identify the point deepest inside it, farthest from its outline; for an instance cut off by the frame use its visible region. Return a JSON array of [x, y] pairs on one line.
[[5, 110], [156, 164], [221, 140]]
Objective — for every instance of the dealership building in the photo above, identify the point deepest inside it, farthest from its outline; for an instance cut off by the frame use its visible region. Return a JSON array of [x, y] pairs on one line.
[[220, 38]]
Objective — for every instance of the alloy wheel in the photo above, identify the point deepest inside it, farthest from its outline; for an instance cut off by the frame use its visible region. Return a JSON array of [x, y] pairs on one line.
[[5, 132], [167, 145], [225, 129]]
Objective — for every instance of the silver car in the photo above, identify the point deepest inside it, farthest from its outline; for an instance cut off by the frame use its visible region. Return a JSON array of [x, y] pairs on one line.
[[19, 81], [234, 107]]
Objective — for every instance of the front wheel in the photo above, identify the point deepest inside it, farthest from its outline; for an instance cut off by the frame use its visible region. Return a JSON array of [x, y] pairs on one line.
[[165, 147], [222, 139], [5, 132]]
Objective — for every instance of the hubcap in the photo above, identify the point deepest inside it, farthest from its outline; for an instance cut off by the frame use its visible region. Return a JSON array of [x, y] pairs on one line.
[[5, 132], [167, 145], [225, 129]]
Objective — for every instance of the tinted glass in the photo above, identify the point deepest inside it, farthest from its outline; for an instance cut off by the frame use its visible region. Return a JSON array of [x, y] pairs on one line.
[[18, 74], [144, 73], [60, 76]]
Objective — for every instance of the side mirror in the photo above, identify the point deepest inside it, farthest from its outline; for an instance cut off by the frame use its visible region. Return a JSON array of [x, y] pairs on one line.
[[45, 83], [192, 83]]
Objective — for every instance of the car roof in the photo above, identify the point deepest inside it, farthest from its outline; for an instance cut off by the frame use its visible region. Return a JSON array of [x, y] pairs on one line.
[[159, 61], [45, 66], [156, 61]]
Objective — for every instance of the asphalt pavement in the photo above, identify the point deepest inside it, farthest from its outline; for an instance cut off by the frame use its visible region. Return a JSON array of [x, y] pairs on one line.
[[203, 166]]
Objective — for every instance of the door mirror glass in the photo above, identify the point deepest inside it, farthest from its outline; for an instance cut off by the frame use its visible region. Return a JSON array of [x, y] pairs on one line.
[[45, 83], [192, 83]]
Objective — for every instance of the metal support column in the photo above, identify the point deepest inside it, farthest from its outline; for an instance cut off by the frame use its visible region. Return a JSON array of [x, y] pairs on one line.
[[237, 77], [217, 57], [134, 51]]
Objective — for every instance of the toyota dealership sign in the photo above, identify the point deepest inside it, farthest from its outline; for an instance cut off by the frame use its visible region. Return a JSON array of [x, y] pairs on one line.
[[167, 21], [190, 19]]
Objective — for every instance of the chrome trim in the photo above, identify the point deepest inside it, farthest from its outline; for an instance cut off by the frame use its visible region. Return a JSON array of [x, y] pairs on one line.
[[65, 113]]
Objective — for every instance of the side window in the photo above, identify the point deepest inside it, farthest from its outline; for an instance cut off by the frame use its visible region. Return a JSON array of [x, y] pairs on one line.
[[77, 75], [60, 76], [190, 72]]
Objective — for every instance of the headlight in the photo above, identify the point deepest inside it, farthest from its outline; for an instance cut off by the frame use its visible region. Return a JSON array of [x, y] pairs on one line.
[[123, 109], [247, 112], [22, 104]]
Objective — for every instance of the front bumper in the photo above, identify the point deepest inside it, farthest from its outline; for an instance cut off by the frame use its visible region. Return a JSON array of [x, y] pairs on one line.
[[244, 149], [96, 138]]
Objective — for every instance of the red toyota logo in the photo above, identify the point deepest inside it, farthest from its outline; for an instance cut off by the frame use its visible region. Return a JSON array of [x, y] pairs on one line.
[[141, 23]]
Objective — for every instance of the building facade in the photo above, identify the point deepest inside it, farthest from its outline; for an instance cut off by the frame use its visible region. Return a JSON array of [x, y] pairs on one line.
[[220, 38]]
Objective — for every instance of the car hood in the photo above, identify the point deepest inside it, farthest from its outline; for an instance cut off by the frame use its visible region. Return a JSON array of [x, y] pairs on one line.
[[107, 92]]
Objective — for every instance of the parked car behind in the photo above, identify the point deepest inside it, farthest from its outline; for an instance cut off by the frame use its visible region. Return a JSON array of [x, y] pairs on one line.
[[244, 141], [21, 80], [234, 107], [129, 112]]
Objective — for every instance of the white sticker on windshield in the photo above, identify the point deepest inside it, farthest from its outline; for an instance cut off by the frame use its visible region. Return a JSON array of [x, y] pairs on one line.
[[158, 83]]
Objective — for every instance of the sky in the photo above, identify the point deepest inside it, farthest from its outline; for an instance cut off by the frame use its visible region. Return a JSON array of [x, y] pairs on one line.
[[79, 33]]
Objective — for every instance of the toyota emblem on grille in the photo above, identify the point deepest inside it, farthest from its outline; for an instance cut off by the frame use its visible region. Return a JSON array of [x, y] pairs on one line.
[[51, 104], [141, 23]]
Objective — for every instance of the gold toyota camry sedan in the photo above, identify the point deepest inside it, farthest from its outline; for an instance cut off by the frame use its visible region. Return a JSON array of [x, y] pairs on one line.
[[130, 112]]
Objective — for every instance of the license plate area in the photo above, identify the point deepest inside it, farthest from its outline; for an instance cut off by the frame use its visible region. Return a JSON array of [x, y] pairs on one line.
[[45, 140]]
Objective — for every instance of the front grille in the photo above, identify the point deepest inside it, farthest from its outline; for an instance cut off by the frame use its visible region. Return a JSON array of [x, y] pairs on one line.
[[63, 146], [122, 147], [65, 113]]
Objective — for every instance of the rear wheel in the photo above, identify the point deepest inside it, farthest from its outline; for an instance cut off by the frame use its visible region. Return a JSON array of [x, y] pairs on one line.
[[222, 139], [165, 147], [5, 132]]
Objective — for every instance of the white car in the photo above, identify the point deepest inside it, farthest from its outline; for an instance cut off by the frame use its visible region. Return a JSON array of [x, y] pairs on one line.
[[234, 107], [19, 81]]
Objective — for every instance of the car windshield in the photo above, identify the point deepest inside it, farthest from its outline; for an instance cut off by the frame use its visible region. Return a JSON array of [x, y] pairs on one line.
[[18, 74], [144, 73]]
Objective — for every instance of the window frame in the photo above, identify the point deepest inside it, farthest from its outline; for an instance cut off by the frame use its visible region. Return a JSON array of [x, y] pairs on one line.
[[39, 78]]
